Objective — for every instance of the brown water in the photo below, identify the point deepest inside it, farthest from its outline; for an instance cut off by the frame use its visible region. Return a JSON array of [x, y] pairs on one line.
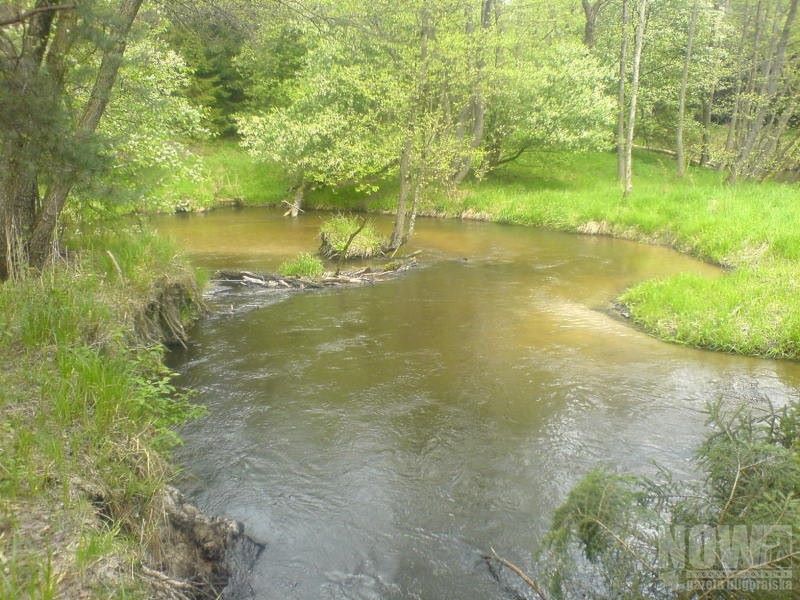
[[380, 439]]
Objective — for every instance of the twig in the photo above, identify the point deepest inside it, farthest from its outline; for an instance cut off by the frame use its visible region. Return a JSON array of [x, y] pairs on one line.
[[522, 575], [343, 254], [291, 206], [116, 265], [175, 589]]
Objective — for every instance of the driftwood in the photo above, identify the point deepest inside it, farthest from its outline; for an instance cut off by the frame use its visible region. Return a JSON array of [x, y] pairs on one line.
[[365, 276], [529, 581]]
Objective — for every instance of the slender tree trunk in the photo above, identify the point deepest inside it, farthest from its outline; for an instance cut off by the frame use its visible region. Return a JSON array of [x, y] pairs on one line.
[[680, 153], [412, 218], [767, 160], [407, 170], [705, 152], [478, 104], [737, 94], [43, 233], [399, 229], [637, 59], [773, 70], [297, 200], [623, 70]]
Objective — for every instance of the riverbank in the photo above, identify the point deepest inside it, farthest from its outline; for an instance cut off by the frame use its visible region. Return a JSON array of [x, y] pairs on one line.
[[87, 411], [753, 230]]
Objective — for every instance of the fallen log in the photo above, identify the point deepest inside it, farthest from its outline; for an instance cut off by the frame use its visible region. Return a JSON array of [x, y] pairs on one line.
[[364, 276]]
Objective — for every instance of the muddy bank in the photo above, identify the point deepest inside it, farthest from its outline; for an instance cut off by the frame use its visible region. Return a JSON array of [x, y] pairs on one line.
[[200, 556]]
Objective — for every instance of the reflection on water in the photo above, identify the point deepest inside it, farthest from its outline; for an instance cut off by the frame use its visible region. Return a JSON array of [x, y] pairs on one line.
[[379, 439]]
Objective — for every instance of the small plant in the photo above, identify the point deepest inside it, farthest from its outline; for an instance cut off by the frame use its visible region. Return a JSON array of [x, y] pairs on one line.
[[305, 265], [336, 232]]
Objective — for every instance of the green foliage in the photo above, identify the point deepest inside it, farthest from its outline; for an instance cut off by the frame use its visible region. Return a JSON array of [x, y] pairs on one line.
[[752, 462], [336, 231], [218, 173], [272, 58], [750, 466], [549, 96], [449, 89], [305, 265], [210, 49], [599, 504], [146, 124], [332, 131]]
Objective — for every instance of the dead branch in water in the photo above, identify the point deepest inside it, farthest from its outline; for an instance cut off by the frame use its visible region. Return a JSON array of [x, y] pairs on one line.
[[365, 276], [519, 572]]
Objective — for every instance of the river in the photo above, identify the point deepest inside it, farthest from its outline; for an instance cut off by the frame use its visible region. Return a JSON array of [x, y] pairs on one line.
[[380, 439]]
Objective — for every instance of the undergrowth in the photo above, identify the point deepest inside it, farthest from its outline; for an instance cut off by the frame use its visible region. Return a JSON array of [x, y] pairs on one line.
[[87, 410]]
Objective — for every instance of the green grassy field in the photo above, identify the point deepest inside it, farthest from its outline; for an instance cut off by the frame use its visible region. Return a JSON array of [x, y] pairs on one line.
[[752, 229]]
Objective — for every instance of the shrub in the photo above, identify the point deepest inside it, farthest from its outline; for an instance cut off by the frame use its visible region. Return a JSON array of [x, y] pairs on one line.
[[305, 265]]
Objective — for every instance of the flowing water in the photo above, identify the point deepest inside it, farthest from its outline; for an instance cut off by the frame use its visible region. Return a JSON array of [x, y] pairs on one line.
[[380, 439]]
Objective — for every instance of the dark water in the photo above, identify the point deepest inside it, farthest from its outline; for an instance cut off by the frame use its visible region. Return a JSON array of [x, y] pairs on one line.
[[380, 439]]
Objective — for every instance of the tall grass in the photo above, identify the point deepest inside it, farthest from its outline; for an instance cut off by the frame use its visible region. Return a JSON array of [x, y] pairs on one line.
[[336, 232], [305, 265], [86, 408]]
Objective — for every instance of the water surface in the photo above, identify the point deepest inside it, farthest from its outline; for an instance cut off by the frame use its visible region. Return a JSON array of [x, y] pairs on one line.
[[380, 439]]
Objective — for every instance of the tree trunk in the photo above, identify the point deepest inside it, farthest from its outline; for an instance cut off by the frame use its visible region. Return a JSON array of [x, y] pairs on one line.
[[591, 11], [623, 69], [43, 233], [399, 230], [19, 191], [478, 103], [412, 218], [705, 151], [637, 59], [773, 69], [737, 93], [297, 201], [679, 147]]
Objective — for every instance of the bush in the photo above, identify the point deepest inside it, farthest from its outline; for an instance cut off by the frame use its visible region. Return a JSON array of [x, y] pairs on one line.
[[336, 232], [305, 265]]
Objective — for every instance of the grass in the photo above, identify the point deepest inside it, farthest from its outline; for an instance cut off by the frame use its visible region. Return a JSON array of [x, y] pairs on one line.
[[86, 408], [221, 173], [335, 233], [753, 229], [305, 265]]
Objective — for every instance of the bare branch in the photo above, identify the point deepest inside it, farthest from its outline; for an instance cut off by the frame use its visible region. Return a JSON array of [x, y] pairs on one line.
[[21, 16], [530, 582]]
